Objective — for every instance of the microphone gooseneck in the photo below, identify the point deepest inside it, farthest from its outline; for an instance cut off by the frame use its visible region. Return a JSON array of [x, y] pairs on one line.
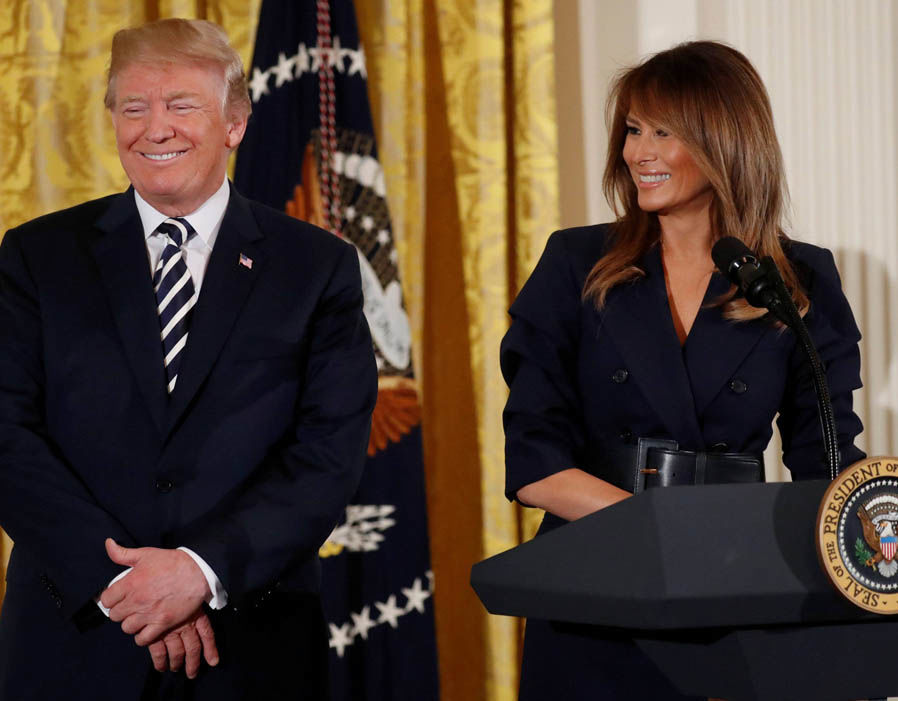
[[761, 283]]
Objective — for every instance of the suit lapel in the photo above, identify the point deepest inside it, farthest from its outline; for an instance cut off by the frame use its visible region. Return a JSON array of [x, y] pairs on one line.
[[637, 317], [716, 347], [124, 268], [225, 287]]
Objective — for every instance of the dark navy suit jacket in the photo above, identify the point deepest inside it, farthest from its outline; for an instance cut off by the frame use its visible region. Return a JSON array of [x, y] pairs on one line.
[[249, 462], [583, 380], [567, 399]]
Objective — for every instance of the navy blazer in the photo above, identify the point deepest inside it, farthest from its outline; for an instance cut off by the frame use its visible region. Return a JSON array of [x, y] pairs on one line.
[[249, 462], [581, 380]]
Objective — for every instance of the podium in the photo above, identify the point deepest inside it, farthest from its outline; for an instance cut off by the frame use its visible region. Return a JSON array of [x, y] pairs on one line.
[[718, 584]]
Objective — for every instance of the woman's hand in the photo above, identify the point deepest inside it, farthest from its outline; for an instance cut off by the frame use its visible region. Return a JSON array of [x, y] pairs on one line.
[[571, 494]]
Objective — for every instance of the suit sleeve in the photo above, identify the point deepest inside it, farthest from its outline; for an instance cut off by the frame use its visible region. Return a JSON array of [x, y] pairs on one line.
[[44, 506], [835, 334], [542, 417], [297, 497]]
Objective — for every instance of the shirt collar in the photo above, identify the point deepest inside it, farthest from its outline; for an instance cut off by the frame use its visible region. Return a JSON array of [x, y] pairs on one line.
[[205, 220]]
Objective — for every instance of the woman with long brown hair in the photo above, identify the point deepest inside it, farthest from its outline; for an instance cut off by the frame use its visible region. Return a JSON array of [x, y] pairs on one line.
[[626, 335]]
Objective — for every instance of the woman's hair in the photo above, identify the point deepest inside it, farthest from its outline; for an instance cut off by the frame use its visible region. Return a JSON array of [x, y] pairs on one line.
[[710, 97], [178, 41]]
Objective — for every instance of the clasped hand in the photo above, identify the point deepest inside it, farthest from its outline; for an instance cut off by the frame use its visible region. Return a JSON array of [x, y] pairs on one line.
[[160, 603]]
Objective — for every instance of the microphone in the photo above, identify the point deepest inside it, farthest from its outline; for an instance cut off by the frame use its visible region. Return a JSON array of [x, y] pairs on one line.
[[760, 281]]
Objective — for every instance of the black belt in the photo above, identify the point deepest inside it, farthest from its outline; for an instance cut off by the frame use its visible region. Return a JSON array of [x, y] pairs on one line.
[[655, 462]]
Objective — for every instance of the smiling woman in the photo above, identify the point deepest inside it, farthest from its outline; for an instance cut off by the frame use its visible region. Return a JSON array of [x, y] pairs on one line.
[[707, 103], [624, 337]]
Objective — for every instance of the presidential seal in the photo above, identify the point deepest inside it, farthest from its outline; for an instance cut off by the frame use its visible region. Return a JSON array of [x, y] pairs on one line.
[[857, 534]]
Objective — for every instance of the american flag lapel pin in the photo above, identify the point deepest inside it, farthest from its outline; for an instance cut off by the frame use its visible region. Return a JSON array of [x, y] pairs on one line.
[[246, 261]]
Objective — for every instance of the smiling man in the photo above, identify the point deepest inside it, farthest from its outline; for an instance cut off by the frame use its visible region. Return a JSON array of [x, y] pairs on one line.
[[186, 382]]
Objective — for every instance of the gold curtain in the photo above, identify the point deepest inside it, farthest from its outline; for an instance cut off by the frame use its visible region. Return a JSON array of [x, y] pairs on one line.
[[462, 93], [464, 108]]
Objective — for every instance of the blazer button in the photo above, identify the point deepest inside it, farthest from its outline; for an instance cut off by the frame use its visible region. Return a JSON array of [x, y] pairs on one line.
[[626, 434], [164, 486], [720, 448], [620, 375], [738, 386]]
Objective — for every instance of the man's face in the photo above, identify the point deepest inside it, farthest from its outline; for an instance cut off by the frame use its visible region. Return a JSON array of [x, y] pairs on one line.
[[173, 137]]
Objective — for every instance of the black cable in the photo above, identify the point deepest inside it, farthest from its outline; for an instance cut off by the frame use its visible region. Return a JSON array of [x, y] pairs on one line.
[[784, 309]]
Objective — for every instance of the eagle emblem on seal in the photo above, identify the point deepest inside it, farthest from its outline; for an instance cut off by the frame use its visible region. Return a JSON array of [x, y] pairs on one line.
[[879, 519]]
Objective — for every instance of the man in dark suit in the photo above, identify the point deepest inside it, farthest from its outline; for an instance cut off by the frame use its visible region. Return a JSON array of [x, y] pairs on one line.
[[186, 382]]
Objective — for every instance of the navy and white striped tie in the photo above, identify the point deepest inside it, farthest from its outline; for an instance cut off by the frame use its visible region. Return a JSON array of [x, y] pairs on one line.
[[175, 295]]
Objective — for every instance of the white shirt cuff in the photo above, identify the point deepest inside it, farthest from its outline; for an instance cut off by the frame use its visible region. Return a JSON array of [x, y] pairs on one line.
[[111, 582], [218, 598]]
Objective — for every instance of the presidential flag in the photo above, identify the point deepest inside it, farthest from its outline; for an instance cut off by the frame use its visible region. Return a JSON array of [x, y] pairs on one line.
[[310, 150]]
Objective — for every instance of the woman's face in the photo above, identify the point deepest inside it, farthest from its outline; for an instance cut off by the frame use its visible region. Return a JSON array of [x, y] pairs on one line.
[[667, 178]]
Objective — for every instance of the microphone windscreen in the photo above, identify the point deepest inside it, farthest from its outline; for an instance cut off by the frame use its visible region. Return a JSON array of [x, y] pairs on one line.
[[727, 250]]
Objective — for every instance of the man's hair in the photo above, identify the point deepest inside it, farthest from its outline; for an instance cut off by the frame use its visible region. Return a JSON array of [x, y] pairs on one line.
[[181, 41], [710, 97]]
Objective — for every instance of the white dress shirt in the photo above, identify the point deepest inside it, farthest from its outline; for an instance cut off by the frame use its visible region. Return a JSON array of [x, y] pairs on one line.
[[206, 221]]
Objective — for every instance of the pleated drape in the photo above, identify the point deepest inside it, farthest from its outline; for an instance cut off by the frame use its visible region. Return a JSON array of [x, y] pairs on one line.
[[463, 97], [463, 100]]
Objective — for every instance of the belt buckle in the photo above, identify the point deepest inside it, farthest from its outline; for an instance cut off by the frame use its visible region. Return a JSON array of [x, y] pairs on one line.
[[643, 446]]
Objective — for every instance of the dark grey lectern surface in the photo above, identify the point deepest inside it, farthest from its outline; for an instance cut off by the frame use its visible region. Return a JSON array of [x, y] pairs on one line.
[[719, 584]]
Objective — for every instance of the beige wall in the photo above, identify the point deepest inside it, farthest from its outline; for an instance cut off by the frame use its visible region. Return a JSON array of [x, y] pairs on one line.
[[593, 40]]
